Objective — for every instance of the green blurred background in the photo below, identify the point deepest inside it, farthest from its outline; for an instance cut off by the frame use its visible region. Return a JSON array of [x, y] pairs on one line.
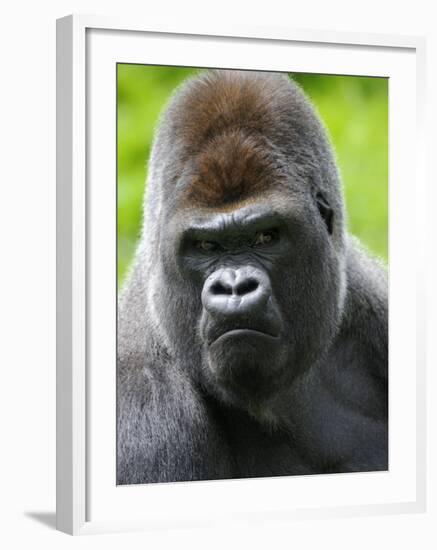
[[354, 109]]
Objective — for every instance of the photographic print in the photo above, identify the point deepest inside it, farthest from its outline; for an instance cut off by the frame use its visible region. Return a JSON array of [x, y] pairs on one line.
[[252, 330]]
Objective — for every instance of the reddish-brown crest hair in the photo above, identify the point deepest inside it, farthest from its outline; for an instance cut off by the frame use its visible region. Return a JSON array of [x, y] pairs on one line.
[[226, 122]]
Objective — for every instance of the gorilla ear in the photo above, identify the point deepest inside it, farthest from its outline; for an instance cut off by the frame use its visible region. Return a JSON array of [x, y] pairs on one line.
[[325, 211]]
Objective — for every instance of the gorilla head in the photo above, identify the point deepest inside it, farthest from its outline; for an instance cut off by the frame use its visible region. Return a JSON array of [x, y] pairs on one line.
[[245, 218]]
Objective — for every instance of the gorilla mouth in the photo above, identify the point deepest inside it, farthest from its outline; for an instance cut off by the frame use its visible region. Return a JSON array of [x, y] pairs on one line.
[[244, 332]]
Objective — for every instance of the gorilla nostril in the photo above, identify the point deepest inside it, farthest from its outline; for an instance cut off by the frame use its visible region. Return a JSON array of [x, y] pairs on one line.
[[247, 286], [220, 288]]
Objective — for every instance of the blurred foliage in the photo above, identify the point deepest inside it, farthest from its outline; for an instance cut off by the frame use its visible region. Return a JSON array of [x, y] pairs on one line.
[[354, 110]]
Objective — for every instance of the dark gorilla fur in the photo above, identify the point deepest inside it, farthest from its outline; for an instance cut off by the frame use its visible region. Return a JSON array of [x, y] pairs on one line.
[[285, 374]]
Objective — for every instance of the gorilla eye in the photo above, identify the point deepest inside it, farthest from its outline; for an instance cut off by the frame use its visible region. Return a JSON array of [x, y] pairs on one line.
[[265, 237], [207, 246]]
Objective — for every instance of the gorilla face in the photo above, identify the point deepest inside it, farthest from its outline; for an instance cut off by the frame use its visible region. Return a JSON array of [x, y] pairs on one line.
[[255, 276]]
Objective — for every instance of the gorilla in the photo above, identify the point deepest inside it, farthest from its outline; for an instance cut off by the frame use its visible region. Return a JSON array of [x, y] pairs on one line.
[[253, 329]]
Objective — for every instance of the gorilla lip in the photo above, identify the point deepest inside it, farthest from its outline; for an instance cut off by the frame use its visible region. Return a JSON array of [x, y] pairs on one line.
[[245, 332]]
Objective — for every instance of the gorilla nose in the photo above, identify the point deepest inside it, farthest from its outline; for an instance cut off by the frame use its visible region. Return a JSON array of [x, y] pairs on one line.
[[242, 291]]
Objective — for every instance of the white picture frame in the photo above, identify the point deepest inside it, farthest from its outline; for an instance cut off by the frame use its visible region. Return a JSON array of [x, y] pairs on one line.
[[87, 49]]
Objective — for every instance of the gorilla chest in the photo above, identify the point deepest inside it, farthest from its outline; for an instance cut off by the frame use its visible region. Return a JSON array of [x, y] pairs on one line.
[[259, 452]]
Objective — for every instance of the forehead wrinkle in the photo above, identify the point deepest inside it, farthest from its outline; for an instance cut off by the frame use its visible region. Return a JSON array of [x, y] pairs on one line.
[[229, 207]]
